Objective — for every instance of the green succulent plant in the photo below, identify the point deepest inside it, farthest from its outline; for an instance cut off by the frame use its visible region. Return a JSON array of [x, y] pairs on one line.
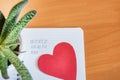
[[10, 29]]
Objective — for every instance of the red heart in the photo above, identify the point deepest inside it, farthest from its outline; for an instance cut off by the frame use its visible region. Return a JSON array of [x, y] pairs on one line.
[[62, 64]]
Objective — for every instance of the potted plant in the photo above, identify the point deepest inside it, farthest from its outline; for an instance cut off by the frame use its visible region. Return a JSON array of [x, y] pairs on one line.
[[10, 30]]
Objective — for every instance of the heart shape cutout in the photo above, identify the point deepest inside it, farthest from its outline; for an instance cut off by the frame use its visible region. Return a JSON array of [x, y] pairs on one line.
[[62, 64]]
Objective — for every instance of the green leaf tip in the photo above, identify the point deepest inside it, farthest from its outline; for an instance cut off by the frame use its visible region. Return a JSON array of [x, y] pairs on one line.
[[17, 8]]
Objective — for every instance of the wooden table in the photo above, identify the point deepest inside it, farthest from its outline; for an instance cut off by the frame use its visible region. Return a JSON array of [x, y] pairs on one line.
[[100, 20]]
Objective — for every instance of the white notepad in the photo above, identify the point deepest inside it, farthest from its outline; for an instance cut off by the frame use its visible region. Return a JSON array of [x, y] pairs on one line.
[[52, 54]]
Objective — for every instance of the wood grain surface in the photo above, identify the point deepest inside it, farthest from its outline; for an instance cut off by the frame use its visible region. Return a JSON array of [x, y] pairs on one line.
[[100, 20]]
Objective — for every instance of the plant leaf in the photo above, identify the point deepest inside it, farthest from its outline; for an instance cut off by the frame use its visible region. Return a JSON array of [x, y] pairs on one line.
[[13, 35], [2, 20], [3, 66], [22, 70], [12, 18]]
